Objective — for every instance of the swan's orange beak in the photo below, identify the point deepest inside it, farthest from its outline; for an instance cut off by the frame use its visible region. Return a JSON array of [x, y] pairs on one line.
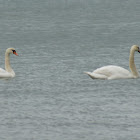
[[15, 53]]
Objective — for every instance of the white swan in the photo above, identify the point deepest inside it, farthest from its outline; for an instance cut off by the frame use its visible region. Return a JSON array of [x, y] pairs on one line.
[[8, 72], [116, 72]]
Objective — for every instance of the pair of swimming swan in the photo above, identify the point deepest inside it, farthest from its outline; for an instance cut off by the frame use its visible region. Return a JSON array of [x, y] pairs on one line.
[[8, 72], [106, 72], [116, 72]]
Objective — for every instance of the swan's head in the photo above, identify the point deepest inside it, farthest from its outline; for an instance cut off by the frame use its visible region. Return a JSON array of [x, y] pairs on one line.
[[136, 48], [11, 50]]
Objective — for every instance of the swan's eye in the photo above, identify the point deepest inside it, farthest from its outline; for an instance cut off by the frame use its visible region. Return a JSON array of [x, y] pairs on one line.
[[138, 50], [14, 52]]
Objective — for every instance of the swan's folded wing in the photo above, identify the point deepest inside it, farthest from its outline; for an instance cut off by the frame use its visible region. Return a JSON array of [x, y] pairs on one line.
[[111, 70]]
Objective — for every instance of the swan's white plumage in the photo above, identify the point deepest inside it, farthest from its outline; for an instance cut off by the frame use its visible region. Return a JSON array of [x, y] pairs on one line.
[[117, 72], [110, 72]]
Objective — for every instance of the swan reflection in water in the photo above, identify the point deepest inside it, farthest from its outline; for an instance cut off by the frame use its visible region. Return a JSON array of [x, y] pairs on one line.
[[116, 72], [8, 72]]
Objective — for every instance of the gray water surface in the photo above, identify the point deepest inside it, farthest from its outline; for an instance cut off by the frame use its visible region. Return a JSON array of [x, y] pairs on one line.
[[51, 98]]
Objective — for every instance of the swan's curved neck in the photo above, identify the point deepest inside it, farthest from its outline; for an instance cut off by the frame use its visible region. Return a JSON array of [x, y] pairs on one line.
[[7, 63], [132, 64]]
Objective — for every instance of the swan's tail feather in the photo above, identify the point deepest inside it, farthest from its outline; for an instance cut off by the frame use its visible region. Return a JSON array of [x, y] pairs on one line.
[[95, 75], [87, 72], [90, 74]]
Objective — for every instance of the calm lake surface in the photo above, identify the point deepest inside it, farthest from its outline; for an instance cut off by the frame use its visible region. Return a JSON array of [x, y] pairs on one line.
[[51, 98]]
